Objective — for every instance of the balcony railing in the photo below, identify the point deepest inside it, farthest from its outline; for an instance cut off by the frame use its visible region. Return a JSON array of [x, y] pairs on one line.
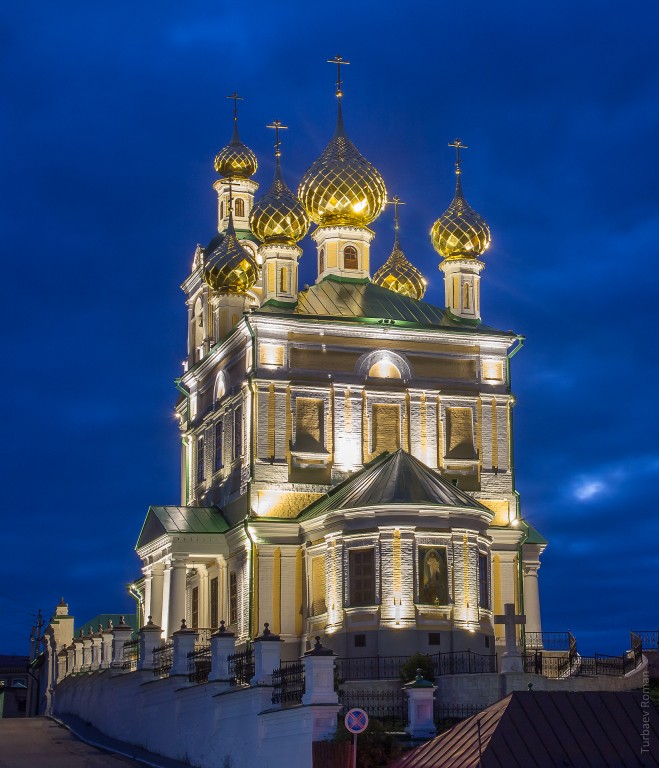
[[548, 641], [288, 683]]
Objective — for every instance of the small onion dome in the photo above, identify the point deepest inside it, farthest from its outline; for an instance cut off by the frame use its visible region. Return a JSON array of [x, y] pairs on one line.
[[399, 275], [342, 187], [230, 268], [460, 231], [278, 217], [236, 160]]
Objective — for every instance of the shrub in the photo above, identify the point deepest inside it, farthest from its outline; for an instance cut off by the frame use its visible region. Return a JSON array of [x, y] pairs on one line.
[[422, 661]]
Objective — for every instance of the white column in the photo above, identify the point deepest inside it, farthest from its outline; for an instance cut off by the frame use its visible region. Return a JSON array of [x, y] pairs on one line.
[[157, 587], [532, 597], [176, 612], [204, 611]]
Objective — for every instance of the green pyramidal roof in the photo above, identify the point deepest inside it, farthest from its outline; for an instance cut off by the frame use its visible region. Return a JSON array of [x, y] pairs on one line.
[[341, 298], [162, 520], [392, 478]]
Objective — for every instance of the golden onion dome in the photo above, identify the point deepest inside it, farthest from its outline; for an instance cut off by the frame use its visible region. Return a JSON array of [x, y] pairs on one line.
[[400, 275], [230, 268], [342, 187], [278, 217], [460, 232], [236, 160]]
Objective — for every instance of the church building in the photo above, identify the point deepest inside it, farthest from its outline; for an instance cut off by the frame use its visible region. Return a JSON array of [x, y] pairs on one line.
[[347, 448]]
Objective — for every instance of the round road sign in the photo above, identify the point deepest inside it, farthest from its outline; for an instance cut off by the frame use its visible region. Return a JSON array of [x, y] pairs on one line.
[[356, 720]]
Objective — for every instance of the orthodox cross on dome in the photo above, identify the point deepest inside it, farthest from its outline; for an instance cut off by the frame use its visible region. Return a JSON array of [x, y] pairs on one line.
[[509, 619], [338, 60], [396, 201], [236, 99], [278, 126], [458, 146]]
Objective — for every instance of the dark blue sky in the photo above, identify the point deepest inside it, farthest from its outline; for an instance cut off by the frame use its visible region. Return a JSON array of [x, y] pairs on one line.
[[111, 116]]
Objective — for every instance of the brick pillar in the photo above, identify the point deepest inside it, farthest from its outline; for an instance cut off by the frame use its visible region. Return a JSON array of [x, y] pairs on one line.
[[223, 644], [267, 656], [150, 639], [320, 694], [420, 695], [106, 650], [184, 641], [120, 635]]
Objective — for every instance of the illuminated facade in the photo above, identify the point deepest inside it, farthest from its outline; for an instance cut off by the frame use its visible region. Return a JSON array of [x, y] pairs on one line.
[[346, 448]]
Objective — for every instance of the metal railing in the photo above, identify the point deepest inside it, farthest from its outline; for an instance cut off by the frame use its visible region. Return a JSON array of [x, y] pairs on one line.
[[463, 663], [199, 664], [446, 716], [370, 667], [163, 658], [548, 641], [389, 707], [649, 638], [558, 667], [288, 683], [241, 666], [130, 653]]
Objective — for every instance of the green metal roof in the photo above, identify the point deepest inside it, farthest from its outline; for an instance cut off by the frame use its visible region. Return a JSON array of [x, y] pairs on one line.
[[392, 478], [338, 298], [102, 619], [532, 536], [162, 520]]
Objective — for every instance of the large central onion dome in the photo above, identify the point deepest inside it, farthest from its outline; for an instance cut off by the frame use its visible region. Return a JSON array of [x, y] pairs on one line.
[[236, 161], [399, 275], [278, 217], [342, 187], [460, 232], [230, 268]]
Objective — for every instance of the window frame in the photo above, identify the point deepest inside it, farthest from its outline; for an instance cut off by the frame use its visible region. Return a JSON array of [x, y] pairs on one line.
[[364, 594]]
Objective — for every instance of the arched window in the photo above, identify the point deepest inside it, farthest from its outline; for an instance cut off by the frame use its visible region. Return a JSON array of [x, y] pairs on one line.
[[466, 296], [384, 369], [321, 261], [222, 209], [283, 280], [198, 328], [220, 386], [350, 257], [240, 207]]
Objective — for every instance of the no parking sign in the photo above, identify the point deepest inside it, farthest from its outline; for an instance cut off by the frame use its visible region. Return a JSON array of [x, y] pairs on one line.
[[356, 720]]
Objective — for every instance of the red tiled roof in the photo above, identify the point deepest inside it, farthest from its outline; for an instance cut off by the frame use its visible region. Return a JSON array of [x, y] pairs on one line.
[[543, 729]]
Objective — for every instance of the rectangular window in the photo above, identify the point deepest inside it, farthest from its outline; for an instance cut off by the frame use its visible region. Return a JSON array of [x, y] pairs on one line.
[[233, 598], [200, 459], [360, 641], [214, 595], [238, 432], [219, 438], [385, 434], [434, 638], [318, 585], [194, 607], [362, 577], [433, 576], [460, 433], [309, 433], [483, 581]]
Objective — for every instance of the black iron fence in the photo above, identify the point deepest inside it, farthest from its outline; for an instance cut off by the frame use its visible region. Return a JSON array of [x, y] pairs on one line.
[[463, 663], [199, 664], [288, 683], [370, 667], [447, 715], [648, 637], [163, 658], [548, 641], [389, 667], [389, 707], [241, 666], [558, 667], [130, 653]]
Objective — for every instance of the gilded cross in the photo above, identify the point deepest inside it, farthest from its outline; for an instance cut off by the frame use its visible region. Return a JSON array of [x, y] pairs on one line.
[[395, 201], [278, 126], [458, 146], [338, 60], [236, 99]]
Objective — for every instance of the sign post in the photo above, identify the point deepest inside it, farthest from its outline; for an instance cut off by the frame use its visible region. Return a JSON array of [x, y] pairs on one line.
[[356, 721]]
